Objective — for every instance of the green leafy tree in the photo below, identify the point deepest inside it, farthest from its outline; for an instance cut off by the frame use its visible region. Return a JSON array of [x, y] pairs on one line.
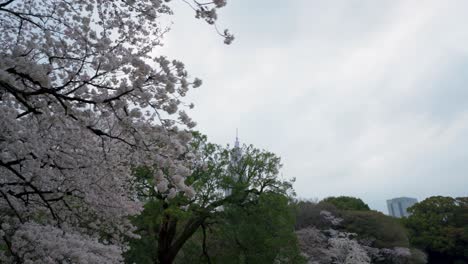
[[260, 232], [439, 225], [224, 179], [347, 203], [380, 230]]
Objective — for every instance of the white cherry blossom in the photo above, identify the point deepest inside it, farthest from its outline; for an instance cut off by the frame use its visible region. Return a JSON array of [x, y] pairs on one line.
[[84, 98]]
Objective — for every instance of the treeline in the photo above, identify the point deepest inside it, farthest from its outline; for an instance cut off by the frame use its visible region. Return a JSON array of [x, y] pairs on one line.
[[436, 232], [238, 210], [439, 226]]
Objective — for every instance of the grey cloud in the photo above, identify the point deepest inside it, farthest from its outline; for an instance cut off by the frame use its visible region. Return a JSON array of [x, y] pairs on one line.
[[363, 98]]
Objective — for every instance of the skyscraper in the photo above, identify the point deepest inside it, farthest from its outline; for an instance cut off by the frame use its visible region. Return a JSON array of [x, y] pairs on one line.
[[397, 207], [236, 156]]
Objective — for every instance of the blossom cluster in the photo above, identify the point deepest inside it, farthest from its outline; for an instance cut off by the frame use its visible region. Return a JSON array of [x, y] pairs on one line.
[[331, 246], [84, 99], [47, 244]]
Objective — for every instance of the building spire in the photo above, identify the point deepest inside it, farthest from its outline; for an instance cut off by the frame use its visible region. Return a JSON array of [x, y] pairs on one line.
[[236, 155]]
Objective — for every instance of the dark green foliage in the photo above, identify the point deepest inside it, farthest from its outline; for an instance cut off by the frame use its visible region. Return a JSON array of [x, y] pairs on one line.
[[418, 257], [259, 232], [263, 232], [439, 225], [384, 231], [347, 203], [373, 229], [376, 228], [308, 214], [143, 250], [256, 224]]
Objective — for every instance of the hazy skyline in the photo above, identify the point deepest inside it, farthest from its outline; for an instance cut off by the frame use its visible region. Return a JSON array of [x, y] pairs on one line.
[[359, 98]]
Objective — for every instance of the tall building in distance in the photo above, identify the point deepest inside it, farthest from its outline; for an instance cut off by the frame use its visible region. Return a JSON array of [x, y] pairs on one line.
[[236, 156], [397, 207]]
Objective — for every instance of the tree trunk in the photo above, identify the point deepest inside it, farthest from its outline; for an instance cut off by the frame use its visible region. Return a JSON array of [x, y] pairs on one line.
[[168, 247], [165, 238]]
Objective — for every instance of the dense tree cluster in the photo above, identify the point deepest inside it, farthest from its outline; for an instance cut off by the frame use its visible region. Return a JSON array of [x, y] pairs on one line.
[[347, 203], [435, 232], [439, 226], [330, 235]]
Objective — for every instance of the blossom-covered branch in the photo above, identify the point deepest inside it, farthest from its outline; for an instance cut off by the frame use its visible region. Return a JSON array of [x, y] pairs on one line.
[[83, 99]]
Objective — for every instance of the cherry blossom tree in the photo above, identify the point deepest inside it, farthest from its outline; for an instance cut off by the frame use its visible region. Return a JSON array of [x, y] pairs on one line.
[[331, 245], [83, 98], [334, 244]]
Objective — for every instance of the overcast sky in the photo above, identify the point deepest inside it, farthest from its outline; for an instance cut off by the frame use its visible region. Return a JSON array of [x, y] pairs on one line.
[[359, 98]]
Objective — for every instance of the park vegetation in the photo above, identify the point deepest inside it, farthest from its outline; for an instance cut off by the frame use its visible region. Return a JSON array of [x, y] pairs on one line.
[[100, 161], [435, 232]]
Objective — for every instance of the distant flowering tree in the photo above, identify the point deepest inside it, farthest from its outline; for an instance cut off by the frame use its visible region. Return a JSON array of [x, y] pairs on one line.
[[333, 245], [83, 97], [344, 250]]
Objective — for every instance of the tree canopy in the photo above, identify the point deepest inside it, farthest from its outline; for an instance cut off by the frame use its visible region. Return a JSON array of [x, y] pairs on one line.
[[330, 235], [439, 225], [379, 230], [260, 232], [347, 203], [232, 189]]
